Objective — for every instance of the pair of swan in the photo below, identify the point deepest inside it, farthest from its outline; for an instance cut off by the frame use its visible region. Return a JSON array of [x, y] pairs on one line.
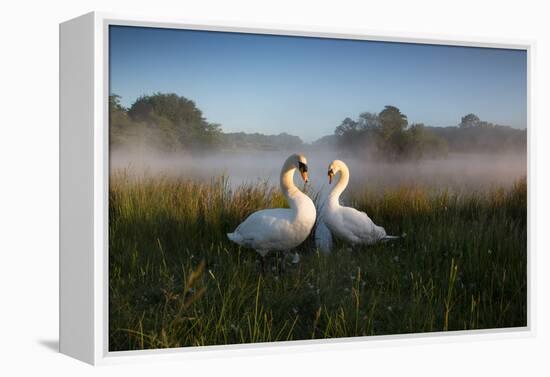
[[283, 229]]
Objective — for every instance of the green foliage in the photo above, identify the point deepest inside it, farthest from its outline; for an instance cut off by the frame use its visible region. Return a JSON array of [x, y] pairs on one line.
[[392, 122], [475, 135], [469, 121], [166, 122], [473, 121], [386, 136], [426, 143], [176, 280], [257, 141]]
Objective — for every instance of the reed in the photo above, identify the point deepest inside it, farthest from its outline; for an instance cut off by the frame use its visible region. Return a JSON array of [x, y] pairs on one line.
[[175, 280]]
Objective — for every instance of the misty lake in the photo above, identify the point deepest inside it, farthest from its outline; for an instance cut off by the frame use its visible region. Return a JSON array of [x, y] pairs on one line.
[[458, 171]]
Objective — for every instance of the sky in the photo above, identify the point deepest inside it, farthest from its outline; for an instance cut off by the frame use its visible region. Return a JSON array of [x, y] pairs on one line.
[[306, 86]]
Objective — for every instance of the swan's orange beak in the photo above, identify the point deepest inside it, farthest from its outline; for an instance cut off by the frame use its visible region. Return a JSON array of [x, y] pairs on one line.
[[304, 176]]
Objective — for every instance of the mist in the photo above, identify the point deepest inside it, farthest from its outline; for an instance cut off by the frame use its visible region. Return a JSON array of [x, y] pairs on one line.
[[456, 172]]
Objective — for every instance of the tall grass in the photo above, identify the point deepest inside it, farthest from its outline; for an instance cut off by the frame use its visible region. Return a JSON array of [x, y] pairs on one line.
[[176, 280]]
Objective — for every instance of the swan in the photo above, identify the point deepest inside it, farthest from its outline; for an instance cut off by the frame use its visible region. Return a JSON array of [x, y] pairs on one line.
[[342, 222], [323, 237], [280, 229]]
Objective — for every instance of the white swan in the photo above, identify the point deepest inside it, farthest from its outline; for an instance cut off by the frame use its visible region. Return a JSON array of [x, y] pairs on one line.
[[280, 229], [323, 237], [345, 223]]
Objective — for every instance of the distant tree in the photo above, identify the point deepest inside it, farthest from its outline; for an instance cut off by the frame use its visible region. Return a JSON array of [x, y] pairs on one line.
[[469, 121], [386, 136], [327, 141], [352, 135], [120, 125], [165, 122], [369, 121], [394, 141], [484, 124], [347, 127], [425, 143], [184, 120], [114, 103], [484, 138], [257, 141], [392, 121]]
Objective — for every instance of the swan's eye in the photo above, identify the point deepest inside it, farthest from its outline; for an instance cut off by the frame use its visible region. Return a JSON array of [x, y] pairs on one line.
[[330, 172], [302, 167]]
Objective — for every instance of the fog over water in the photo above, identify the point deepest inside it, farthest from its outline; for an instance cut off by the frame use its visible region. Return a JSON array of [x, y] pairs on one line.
[[458, 171]]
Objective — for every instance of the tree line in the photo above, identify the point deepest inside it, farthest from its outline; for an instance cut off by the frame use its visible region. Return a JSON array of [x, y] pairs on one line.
[[169, 122], [388, 136], [475, 135]]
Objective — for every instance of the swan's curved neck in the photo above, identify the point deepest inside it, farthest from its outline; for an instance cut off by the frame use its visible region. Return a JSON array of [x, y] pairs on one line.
[[301, 205], [340, 186], [290, 191]]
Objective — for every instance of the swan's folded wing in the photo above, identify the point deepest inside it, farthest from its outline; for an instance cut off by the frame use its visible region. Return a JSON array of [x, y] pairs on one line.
[[360, 226], [265, 228]]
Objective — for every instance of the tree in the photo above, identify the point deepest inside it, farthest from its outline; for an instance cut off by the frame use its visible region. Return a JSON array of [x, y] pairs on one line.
[[386, 136], [425, 143], [114, 103], [353, 135], [164, 122], [257, 141], [469, 121], [369, 121], [178, 116], [392, 121], [394, 140], [120, 125], [347, 126]]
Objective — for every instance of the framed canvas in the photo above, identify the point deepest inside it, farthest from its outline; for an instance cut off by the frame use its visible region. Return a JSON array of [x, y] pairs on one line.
[[231, 188]]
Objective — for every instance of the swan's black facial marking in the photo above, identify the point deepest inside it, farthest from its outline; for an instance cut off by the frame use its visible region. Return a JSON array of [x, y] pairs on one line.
[[330, 174], [302, 167]]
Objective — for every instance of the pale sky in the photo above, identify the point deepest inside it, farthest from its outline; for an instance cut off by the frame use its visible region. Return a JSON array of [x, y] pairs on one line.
[[307, 86]]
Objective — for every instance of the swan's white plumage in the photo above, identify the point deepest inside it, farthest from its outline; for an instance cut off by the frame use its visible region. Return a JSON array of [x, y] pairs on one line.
[[347, 223], [354, 226], [279, 229], [323, 237]]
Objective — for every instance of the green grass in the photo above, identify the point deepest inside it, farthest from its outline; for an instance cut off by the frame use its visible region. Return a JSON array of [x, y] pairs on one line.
[[175, 279]]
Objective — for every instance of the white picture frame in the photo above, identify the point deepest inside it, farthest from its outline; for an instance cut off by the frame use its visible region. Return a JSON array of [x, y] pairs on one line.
[[84, 159]]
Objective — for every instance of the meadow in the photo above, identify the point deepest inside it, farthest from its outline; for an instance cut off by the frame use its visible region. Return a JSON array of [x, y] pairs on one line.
[[175, 280]]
